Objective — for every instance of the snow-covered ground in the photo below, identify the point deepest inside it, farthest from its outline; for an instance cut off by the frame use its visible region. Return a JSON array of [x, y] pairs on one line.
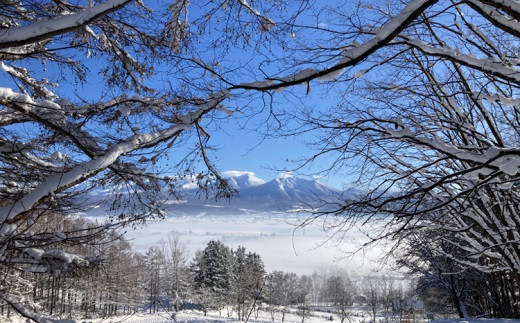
[[355, 315], [197, 316], [275, 236], [192, 316]]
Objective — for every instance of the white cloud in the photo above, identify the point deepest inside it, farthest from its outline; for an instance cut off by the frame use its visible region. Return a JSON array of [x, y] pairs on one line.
[[236, 173], [323, 25], [250, 180], [190, 185], [285, 174]]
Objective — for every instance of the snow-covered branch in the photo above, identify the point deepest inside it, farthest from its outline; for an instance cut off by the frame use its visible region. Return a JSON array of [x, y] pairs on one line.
[[266, 22], [489, 12], [88, 169], [500, 69], [45, 29], [28, 313], [351, 56]]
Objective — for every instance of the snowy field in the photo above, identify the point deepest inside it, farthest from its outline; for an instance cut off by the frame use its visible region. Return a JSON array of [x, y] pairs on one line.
[[356, 315], [196, 316], [275, 236]]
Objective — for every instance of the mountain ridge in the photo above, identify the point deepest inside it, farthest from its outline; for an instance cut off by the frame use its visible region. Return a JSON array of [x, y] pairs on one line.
[[284, 193]]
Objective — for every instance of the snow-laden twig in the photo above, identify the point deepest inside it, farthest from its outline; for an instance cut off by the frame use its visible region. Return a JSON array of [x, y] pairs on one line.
[[266, 23], [44, 29], [87, 169], [28, 313], [351, 56]]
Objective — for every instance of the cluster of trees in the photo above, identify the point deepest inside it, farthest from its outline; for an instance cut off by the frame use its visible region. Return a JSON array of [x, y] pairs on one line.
[[422, 102], [120, 281], [62, 284], [445, 286], [223, 276]]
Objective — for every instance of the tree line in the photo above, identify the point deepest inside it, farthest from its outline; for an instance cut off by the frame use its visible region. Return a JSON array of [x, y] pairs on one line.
[[120, 281]]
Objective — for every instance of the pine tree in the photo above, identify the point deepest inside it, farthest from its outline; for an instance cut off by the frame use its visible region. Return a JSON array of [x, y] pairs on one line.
[[214, 272]]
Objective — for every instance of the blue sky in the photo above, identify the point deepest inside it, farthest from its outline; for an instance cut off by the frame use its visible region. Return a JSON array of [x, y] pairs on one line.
[[247, 150], [240, 146]]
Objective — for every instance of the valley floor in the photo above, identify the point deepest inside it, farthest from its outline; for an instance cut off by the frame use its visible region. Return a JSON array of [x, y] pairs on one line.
[[193, 316], [265, 317]]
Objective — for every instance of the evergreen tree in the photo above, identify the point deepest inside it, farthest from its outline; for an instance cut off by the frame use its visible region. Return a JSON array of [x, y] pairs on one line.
[[214, 272]]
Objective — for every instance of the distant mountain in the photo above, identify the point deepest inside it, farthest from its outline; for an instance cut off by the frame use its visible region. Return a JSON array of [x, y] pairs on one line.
[[285, 193], [240, 180], [254, 194], [288, 192]]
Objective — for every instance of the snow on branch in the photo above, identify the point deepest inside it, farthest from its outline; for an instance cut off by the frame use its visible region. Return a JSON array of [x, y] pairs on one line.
[[506, 100], [511, 7], [177, 28], [505, 159], [351, 56], [28, 313], [44, 29], [488, 66], [266, 23], [495, 17], [22, 74], [79, 173]]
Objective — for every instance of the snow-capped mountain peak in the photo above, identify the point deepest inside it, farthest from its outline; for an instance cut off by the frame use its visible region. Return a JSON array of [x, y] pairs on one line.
[[253, 195], [242, 179], [287, 191]]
